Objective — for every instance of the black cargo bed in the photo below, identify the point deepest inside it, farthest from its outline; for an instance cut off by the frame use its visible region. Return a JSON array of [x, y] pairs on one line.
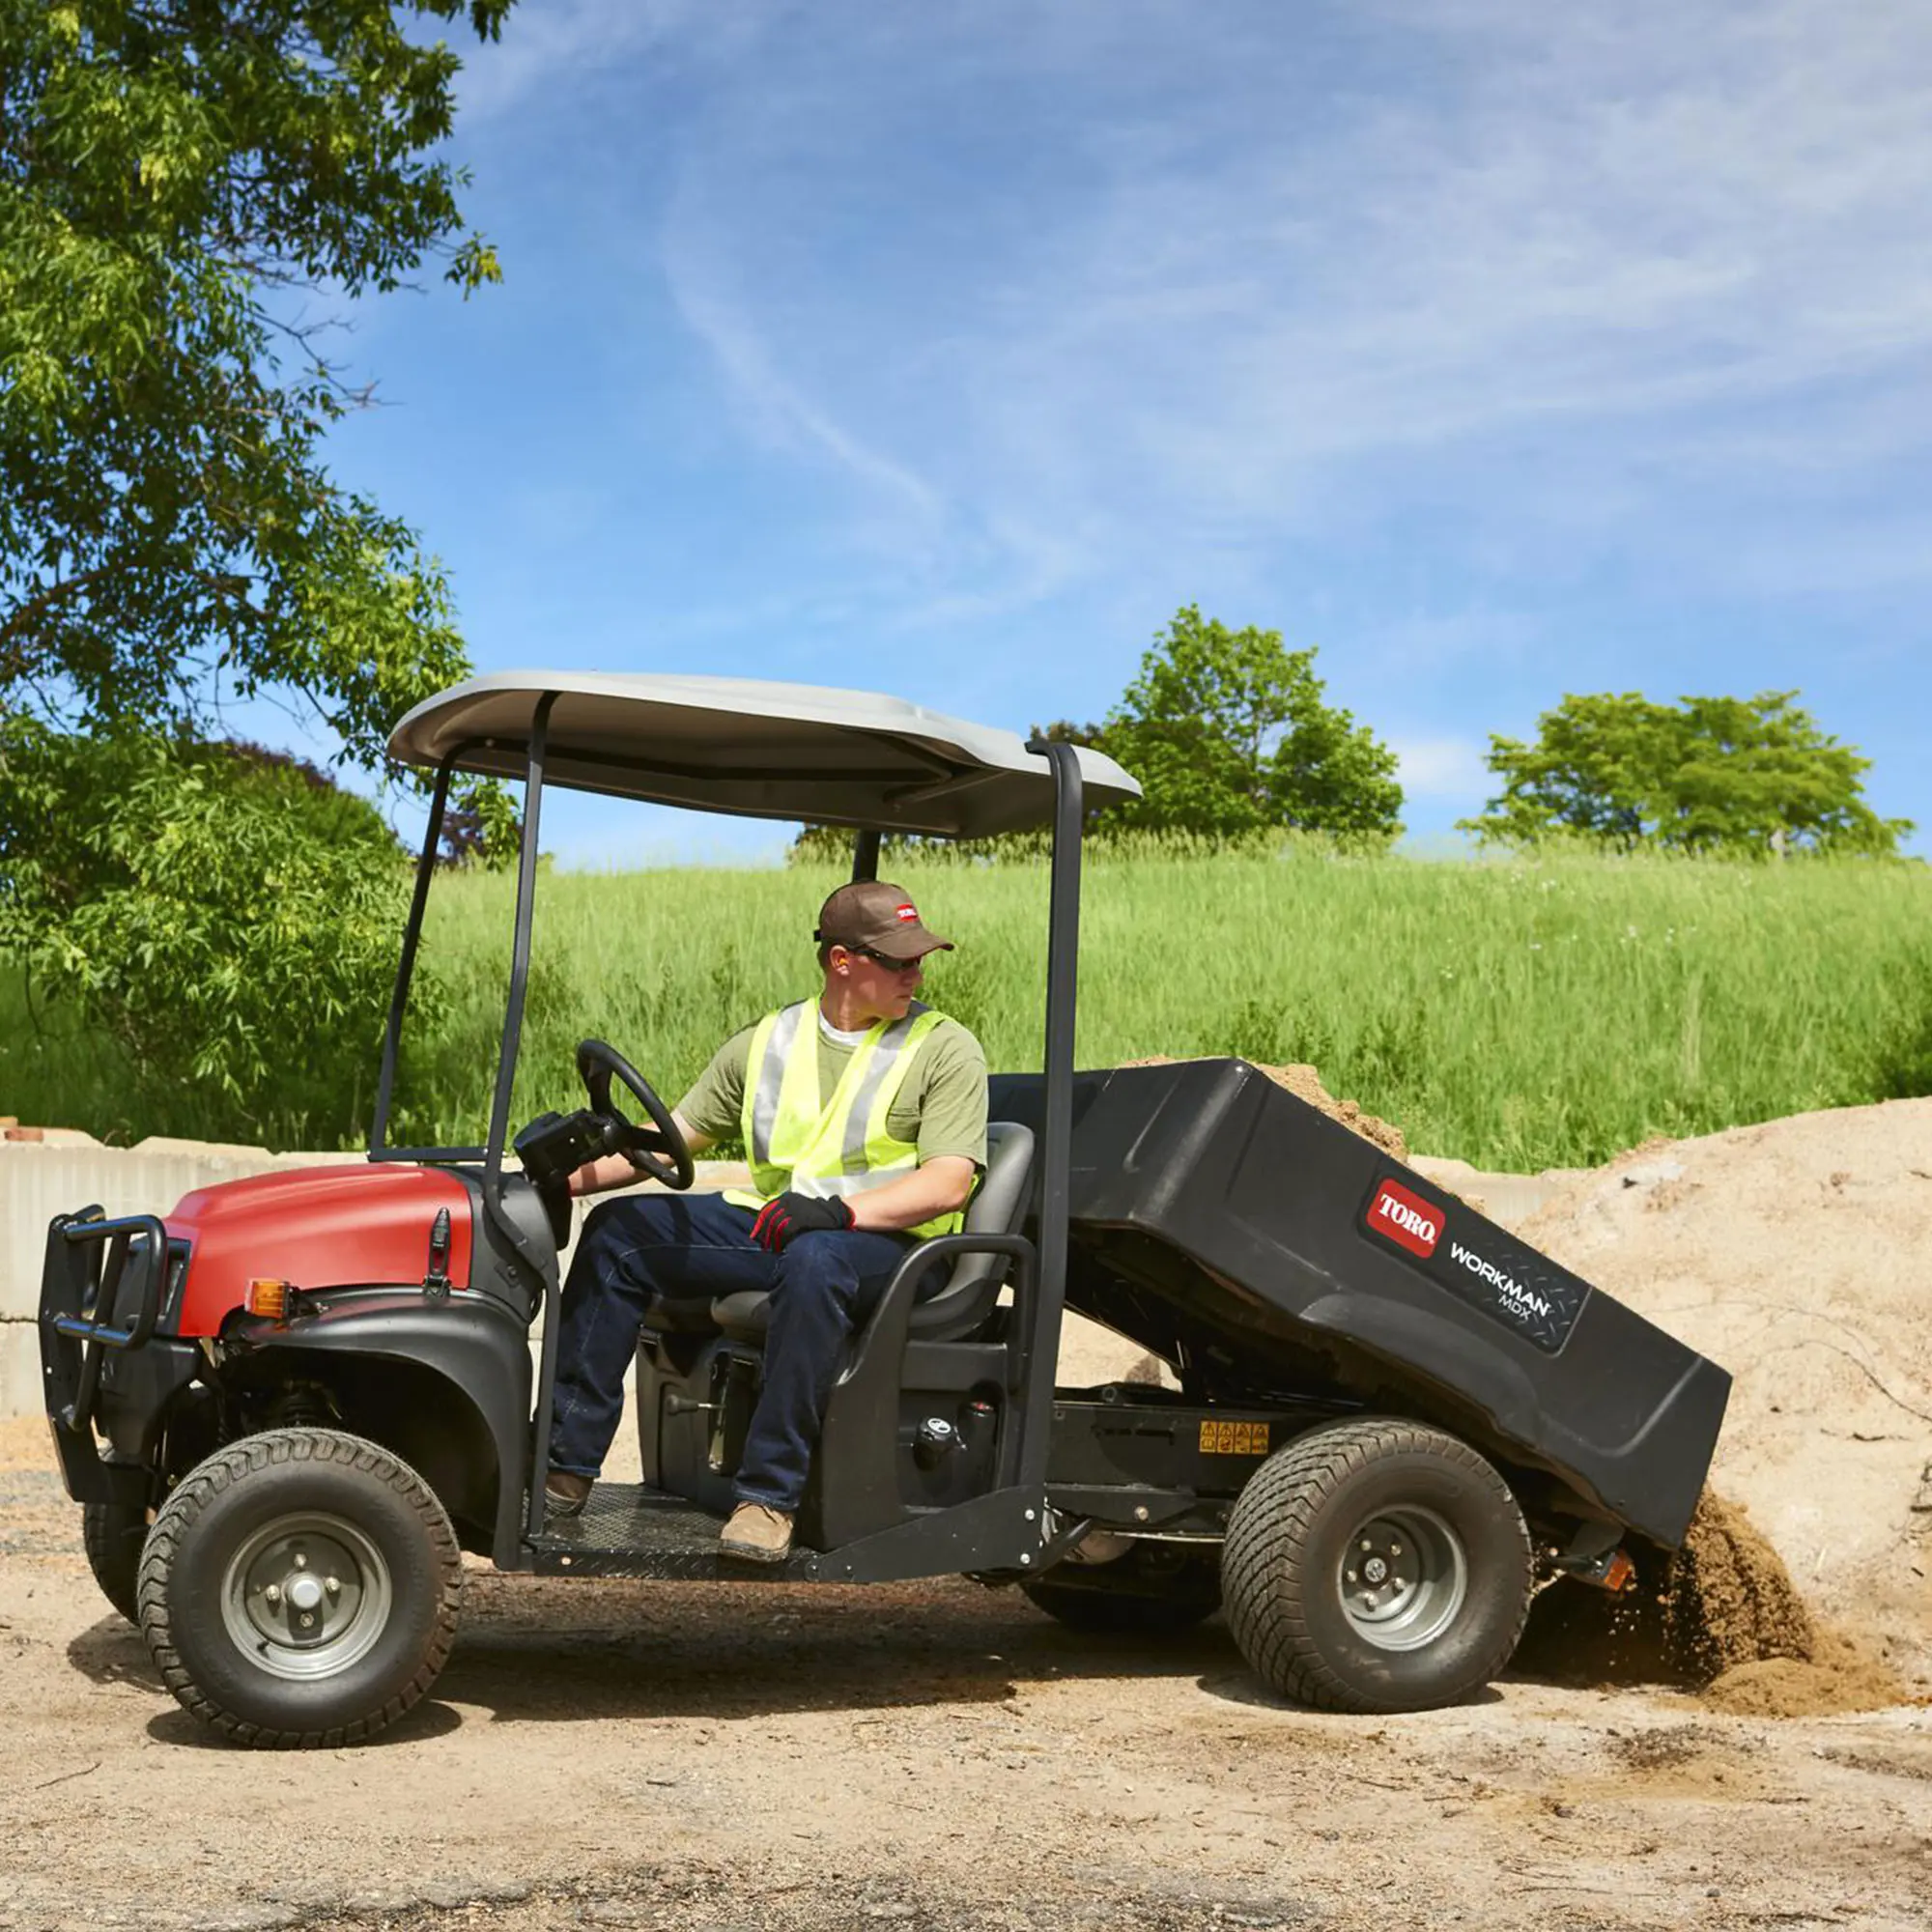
[[1219, 1220]]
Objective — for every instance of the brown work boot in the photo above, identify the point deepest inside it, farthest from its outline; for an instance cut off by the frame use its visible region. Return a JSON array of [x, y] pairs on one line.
[[565, 1494], [757, 1534]]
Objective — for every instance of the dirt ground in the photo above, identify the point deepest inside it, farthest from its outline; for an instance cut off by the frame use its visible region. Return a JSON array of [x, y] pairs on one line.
[[942, 1755]]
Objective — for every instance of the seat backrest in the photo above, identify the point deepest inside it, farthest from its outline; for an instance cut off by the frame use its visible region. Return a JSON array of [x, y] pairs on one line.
[[998, 1208]]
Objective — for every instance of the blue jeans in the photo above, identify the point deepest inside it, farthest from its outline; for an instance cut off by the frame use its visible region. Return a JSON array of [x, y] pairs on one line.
[[694, 1247]]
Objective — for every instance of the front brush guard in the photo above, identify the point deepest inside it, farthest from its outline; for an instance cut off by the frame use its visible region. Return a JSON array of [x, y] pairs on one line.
[[101, 1287]]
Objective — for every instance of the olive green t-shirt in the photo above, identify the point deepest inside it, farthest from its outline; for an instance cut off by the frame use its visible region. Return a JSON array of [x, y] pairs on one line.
[[940, 1109]]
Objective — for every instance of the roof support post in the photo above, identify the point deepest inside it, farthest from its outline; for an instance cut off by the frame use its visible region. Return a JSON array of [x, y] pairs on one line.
[[865, 857], [519, 947], [392, 1034], [1062, 984], [500, 1117]]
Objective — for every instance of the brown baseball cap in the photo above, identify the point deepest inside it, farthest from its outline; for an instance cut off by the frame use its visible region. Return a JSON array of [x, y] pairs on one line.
[[879, 917]]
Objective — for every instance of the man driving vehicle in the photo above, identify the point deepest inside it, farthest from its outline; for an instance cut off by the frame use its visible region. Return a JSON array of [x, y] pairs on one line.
[[863, 1119]]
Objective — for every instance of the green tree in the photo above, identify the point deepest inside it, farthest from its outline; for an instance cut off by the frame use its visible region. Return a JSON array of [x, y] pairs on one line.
[[226, 925], [171, 173], [1714, 775], [339, 814], [1227, 733]]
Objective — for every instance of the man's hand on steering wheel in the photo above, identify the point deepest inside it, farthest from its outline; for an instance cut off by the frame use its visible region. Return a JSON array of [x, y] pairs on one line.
[[659, 1152]]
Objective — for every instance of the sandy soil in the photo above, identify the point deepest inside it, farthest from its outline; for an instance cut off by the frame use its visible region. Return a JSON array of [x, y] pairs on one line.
[[942, 1755], [1798, 1254]]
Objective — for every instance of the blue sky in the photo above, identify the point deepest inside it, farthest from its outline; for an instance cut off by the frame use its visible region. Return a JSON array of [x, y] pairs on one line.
[[1496, 350]]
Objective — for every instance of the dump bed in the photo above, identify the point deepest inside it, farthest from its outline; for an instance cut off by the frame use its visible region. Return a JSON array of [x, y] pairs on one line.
[[1218, 1219]]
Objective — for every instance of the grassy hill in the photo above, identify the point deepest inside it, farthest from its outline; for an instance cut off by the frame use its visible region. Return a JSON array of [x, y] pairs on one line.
[[1519, 1015]]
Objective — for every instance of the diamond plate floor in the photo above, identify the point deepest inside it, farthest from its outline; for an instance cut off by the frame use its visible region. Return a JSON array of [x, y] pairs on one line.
[[630, 1530]]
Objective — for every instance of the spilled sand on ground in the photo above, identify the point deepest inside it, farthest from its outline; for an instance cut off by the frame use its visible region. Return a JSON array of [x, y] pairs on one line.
[[1720, 1619]]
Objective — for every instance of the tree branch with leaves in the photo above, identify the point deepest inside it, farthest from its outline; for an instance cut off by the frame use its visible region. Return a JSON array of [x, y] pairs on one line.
[[168, 532]]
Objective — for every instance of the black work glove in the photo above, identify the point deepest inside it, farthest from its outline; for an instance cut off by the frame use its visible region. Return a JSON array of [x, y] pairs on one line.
[[791, 1215]]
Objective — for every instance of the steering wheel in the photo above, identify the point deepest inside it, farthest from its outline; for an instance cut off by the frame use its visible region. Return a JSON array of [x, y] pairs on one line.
[[658, 1151]]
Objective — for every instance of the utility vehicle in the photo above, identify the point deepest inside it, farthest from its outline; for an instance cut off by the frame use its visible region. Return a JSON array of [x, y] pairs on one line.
[[290, 1404]]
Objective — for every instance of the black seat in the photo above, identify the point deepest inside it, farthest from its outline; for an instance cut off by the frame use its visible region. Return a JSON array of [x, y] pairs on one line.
[[970, 1289]]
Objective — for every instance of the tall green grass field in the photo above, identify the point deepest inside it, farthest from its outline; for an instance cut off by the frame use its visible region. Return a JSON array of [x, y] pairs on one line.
[[1519, 1015]]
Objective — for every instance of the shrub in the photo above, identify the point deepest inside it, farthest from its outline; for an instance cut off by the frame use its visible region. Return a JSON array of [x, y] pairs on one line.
[[225, 922]]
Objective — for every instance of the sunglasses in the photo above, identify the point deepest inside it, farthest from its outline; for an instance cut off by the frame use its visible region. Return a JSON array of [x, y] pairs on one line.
[[884, 960]]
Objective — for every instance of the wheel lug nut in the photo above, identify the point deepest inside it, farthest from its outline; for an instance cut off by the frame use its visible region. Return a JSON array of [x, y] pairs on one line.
[[1366, 1543], [273, 1593], [332, 1585], [301, 1561], [1349, 1575], [306, 1620]]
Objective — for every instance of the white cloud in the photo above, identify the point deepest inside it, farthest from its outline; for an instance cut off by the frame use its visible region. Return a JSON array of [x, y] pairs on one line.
[[1582, 238], [776, 408], [1444, 768], [1068, 295]]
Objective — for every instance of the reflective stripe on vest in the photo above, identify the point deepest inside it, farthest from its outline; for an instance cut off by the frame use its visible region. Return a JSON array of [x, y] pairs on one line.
[[840, 1147]]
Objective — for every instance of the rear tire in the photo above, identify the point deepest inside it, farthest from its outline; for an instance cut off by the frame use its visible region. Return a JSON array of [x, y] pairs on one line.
[[112, 1535], [300, 1588], [1377, 1566], [1153, 1590]]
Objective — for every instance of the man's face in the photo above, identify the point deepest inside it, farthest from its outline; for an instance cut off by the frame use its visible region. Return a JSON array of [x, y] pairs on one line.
[[883, 989]]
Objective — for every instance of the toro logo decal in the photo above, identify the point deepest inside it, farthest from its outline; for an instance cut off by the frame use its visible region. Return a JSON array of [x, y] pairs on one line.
[[1406, 1219], [905, 915]]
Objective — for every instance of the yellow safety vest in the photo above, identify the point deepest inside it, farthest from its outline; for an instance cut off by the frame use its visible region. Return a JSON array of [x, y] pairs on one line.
[[843, 1146]]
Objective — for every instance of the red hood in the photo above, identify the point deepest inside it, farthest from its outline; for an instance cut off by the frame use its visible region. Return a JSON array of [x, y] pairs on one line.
[[352, 1226]]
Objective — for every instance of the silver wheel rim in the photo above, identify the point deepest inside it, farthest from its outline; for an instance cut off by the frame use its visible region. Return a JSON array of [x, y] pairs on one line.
[[1403, 1578], [306, 1596]]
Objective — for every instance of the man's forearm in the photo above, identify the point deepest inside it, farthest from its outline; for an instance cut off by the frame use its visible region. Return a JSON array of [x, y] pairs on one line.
[[615, 1170], [940, 1187], [598, 1177]]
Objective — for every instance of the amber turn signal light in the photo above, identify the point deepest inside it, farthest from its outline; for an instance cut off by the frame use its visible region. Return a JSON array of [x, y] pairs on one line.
[[268, 1297]]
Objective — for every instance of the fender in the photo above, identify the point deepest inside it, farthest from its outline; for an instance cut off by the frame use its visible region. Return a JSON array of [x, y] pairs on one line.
[[468, 1340]]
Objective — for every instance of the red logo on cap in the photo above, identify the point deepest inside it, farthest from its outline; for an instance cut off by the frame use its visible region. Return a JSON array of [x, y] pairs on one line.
[[1406, 1219], [907, 915]]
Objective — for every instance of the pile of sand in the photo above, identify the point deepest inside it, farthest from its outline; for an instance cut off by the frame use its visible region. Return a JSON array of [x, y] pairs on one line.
[[1798, 1256], [1721, 1618], [1729, 1603]]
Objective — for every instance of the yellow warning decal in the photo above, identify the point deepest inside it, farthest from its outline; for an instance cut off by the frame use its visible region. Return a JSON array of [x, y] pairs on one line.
[[1234, 1439]]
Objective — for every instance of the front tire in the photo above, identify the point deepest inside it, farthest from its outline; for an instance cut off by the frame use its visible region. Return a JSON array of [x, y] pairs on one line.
[[112, 1535], [300, 1588], [1377, 1566]]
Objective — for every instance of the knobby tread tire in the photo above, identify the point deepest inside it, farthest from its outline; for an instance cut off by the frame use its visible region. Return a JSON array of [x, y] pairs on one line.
[[1267, 1580], [211, 1479], [111, 1534]]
